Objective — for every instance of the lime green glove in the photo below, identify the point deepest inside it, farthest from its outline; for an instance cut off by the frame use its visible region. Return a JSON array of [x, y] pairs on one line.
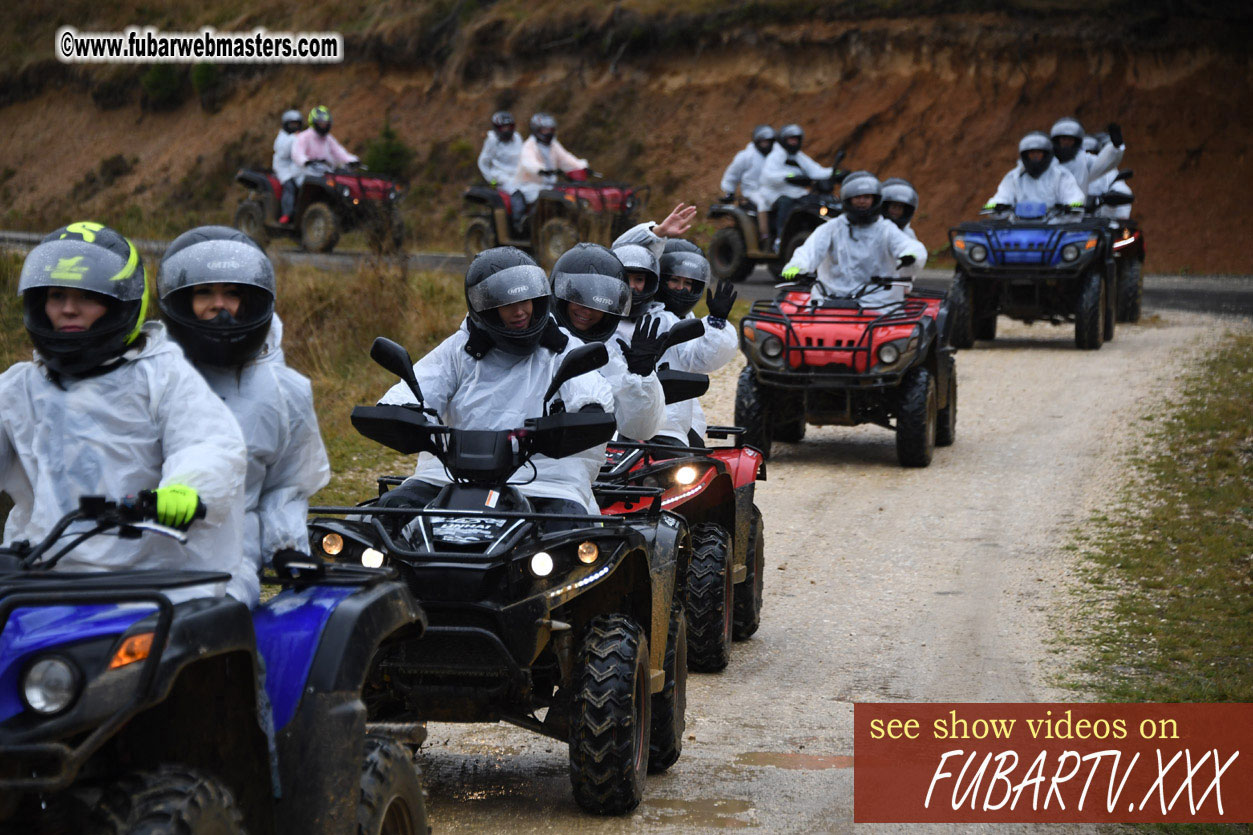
[[790, 272], [494, 183], [176, 504]]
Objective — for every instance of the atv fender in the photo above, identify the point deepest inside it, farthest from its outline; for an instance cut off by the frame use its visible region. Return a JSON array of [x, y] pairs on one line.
[[740, 219], [256, 180]]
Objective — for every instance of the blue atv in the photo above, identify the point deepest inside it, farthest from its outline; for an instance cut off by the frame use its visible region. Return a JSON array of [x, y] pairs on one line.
[[1031, 262], [130, 705]]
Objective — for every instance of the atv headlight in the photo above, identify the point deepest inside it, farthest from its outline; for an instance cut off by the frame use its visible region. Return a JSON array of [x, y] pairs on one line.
[[978, 253], [344, 191], [889, 354], [371, 558], [50, 685], [588, 552], [391, 195], [685, 475], [1070, 252], [542, 564], [332, 544], [771, 347]]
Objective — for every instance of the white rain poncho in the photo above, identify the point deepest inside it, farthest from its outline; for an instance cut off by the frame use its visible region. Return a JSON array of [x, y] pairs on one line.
[[1055, 186], [639, 404], [501, 391], [284, 168], [498, 161], [286, 458], [1086, 168], [1105, 183], [779, 163], [845, 257], [535, 157], [151, 422], [745, 171], [642, 235]]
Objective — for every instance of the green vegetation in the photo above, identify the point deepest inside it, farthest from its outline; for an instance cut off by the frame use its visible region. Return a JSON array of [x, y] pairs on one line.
[[206, 80], [389, 155], [1171, 567], [163, 86]]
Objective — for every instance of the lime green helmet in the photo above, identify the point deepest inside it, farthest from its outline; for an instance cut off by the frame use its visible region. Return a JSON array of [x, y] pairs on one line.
[[320, 119], [95, 259]]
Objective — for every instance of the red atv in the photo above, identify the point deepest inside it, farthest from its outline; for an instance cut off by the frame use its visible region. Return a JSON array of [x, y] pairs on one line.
[[328, 203], [713, 490], [838, 363], [562, 216]]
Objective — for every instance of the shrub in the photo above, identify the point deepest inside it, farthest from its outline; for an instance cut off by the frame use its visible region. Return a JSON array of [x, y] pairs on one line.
[[163, 86], [206, 80], [389, 155]]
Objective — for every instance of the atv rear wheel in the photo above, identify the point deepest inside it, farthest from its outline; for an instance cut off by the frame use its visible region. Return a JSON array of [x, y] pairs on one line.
[[1089, 313], [961, 312], [946, 418], [1130, 290], [391, 801], [169, 799], [557, 236], [751, 411], [710, 599], [665, 739], [985, 327], [610, 718], [748, 594], [479, 236], [728, 255], [250, 219], [1109, 315], [916, 419], [319, 228]]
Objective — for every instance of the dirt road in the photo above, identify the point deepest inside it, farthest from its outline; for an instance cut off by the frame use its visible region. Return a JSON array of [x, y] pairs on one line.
[[883, 584]]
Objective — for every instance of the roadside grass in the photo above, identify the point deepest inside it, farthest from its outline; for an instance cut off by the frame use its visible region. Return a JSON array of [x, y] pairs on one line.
[[1170, 567]]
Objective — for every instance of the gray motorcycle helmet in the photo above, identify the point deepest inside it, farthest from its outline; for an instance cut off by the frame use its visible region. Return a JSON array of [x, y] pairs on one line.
[[1036, 141], [1067, 126], [591, 276], [684, 265], [859, 184], [217, 255], [640, 259], [543, 127], [763, 139], [791, 137], [292, 121], [504, 275], [899, 190]]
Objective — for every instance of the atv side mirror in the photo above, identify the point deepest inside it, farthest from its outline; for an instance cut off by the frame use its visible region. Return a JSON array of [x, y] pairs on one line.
[[684, 331], [579, 361], [395, 358], [1117, 198], [682, 385], [1125, 174]]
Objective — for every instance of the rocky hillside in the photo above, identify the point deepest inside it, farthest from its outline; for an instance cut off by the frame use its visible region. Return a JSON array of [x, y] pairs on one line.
[[663, 94]]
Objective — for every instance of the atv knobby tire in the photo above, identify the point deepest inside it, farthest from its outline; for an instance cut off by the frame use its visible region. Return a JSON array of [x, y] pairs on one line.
[[748, 594], [751, 411], [665, 739], [557, 236], [788, 412], [1090, 313], [710, 599], [946, 418], [916, 418], [610, 717], [319, 228], [170, 799], [1130, 290], [961, 312], [392, 801], [728, 255], [985, 327], [250, 219], [479, 236], [1109, 314]]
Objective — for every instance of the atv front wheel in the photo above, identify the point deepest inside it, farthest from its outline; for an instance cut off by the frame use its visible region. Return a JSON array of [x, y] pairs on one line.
[[710, 599], [791, 428], [751, 411], [610, 718], [1089, 313], [250, 219], [728, 255], [1109, 316], [1130, 290], [479, 236], [665, 739], [961, 312], [946, 418], [319, 228], [169, 799], [748, 594], [916, 419], [985, 327], [391, 800], [557, 236]]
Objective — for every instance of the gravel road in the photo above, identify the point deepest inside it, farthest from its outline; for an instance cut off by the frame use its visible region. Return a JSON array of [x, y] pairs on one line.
[[884, 584]]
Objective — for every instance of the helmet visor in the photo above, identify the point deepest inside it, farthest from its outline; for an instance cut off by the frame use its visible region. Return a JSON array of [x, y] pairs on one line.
[[510, 285], [599, 292], [83, 266], [216, 262]]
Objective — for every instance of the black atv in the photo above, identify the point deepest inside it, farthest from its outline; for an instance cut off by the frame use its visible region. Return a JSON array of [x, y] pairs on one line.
[[126, 707], [529, 611]]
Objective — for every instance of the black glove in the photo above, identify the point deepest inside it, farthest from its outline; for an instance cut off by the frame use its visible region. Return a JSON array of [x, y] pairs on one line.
[[720, 301], [728, 197], [646, 346], [549, 172], [1115, 133], [905, 261]]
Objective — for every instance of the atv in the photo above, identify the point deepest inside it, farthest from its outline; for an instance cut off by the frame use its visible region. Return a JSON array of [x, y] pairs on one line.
[[1031, 262], [572, 211], [126, 707], [529, 612], [713, 490], [328, 203], [735, 248], [1129, 253], [839, 363]]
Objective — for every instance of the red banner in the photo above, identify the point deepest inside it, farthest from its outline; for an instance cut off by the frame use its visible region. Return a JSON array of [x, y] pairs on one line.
[[1081, 763]]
